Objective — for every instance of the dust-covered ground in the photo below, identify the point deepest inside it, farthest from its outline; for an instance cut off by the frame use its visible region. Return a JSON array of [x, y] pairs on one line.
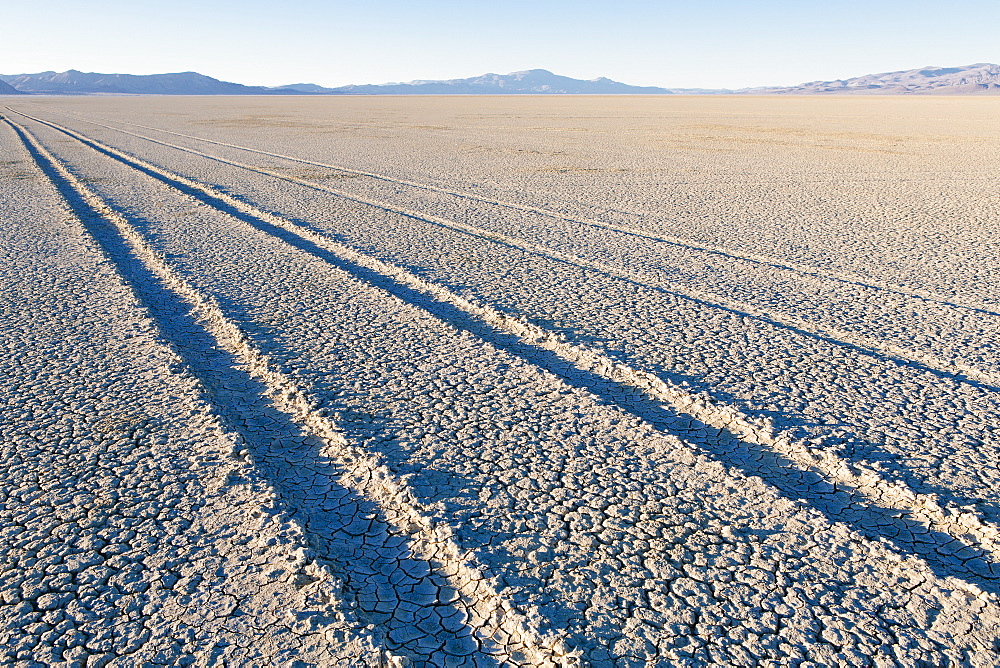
[[483, 381]]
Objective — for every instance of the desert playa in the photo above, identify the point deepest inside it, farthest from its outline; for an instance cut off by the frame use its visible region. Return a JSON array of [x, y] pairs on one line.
[[500, 381]]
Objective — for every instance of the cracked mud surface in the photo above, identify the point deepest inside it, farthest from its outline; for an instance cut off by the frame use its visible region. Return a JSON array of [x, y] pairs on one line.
[[133, 533], [279, 395]]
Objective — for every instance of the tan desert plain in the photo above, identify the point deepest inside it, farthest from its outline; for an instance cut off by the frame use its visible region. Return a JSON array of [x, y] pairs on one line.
[[492, 381]]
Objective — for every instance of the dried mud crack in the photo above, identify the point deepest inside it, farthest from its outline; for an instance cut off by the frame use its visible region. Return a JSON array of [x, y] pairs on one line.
[[411, 565], [946, 531], [407, 421]]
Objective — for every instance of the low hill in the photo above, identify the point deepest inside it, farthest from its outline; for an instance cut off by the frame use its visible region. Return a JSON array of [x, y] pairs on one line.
[[7, 89]]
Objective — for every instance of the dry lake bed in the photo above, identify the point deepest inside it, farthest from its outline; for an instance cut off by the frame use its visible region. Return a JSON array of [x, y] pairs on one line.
[[491, 381]]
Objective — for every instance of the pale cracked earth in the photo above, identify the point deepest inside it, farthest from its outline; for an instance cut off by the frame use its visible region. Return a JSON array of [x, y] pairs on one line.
[[500, 381]]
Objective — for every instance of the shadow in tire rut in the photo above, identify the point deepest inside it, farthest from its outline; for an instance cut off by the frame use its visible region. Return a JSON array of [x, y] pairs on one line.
[[946, 555], [298, 472], [419, 615]]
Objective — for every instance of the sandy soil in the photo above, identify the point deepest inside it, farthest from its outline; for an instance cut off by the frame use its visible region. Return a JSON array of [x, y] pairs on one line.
[[500, 381]]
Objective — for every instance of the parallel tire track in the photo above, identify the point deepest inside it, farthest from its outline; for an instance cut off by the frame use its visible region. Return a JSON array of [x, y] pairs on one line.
[[491, 616], [783, 264], [830, 334], [965, 526]]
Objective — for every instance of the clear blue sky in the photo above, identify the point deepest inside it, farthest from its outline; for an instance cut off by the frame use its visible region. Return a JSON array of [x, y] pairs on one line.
[[724, 43]]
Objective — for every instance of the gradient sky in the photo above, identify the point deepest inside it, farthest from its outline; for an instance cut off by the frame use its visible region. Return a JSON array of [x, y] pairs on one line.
[[713, 44]]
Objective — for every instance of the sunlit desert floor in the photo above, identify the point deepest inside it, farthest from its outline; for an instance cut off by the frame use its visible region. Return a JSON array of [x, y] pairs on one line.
[[484, 381]]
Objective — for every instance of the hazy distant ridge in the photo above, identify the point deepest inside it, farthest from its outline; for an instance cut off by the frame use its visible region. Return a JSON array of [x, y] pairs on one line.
[[976, 78]]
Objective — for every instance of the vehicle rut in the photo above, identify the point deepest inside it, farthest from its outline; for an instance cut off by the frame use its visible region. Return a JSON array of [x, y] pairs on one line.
[[955, 367], [966, 528], [754, 258], [502, 631]]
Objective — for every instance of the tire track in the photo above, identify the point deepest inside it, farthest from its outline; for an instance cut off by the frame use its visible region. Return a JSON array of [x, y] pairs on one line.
[[506, 632], [152, 464], [834, 335], [754, 258], [965, 527]]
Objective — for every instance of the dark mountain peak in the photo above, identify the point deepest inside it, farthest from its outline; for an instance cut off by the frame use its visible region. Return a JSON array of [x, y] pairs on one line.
[[75, 82]]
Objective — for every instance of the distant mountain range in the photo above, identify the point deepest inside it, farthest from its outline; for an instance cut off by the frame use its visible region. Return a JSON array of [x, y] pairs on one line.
[[74, 82], [970, 79]]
